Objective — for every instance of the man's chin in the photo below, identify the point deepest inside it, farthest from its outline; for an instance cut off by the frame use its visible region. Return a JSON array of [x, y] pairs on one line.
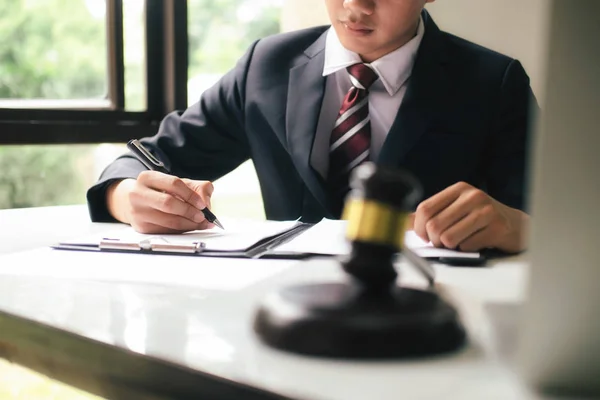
[[359, 45]]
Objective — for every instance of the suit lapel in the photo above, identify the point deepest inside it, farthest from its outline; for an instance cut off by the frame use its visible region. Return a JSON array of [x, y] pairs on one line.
[[423, 102], [305, 95], [427, 87]]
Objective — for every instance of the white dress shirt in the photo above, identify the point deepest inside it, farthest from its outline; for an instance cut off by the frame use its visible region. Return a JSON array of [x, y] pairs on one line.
[[385, 95]]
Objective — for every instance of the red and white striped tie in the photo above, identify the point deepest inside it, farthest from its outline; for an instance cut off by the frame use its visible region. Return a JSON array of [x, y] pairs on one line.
[[351, 136]]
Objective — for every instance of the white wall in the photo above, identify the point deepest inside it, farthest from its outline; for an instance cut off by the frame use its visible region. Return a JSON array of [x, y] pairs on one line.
[[298, 14], [514, 27]]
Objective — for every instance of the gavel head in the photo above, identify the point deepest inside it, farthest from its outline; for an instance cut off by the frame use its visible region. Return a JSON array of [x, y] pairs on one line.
[[377, 209]]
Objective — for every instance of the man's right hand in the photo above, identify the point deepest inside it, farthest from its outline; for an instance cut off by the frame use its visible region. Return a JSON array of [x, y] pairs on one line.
[[160, 203]]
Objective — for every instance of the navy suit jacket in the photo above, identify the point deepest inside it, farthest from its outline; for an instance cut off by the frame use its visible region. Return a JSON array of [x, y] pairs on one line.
[[464, 118]]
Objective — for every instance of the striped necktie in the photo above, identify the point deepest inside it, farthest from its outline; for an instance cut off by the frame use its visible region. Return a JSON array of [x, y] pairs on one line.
[[351, 136]]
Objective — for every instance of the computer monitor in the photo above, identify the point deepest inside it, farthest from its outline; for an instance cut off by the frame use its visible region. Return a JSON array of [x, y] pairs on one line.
[[560, 346]]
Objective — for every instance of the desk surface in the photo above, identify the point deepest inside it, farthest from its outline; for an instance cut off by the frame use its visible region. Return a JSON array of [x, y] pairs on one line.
[[28, 228], [197, 334]]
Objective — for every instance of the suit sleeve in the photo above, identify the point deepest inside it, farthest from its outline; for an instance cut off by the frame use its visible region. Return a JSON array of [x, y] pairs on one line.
[[204, 142], [509, 149]]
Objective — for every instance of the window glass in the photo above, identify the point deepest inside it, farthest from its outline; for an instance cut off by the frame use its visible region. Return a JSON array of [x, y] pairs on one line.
[[53, 49], [134, 54], [58, 51], [55, 54], [219, 34]]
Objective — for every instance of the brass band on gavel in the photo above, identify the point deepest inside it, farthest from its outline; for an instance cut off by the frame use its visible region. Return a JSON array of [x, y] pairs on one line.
[[370, 221]]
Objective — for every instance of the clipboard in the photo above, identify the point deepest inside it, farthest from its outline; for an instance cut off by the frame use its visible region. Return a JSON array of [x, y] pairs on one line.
[[295, 240], [265, 248]]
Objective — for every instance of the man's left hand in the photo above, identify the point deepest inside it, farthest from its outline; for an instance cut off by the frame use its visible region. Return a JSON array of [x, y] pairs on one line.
[[466, 218]]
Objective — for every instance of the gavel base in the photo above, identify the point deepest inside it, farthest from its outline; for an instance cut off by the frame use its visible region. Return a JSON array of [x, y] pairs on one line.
[[340, 320]]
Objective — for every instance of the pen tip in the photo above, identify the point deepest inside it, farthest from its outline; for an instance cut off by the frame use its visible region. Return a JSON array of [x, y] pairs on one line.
[[218, 223]]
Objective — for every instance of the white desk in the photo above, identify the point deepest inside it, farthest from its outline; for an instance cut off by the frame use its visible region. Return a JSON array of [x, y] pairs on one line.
[[199, 327], [28, 228]]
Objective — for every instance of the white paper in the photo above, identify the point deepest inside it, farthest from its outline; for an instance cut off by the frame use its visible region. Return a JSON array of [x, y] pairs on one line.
[[328, 237], [239, 235], [428, 250]]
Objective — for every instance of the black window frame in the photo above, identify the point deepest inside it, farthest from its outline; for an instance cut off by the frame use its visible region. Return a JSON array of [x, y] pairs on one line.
[[166, 50]]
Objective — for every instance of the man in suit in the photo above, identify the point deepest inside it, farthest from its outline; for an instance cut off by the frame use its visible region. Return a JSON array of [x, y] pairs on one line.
[[382, 84]]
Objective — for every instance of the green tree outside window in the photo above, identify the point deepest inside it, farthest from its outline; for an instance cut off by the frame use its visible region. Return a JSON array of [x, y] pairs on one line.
[[54, 49]]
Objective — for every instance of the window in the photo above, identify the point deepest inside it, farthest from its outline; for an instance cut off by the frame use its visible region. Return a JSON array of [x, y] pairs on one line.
[[65, 67], [95, 73], [219, 33], [62, 80], [38, 67], [78, 78]]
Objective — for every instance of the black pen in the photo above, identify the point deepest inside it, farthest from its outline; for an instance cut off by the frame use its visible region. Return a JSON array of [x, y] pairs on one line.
[[154, 164]]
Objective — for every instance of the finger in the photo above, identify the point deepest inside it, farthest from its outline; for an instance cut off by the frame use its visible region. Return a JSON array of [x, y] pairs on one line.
[[169, 204], [436, 226], [148, 227], [419, 221], [166, 222], [206, 191], [173, 185], [476, 221], [410, 222], [145, 199], [432, 206], [206, 224], [478, 240], [204, 188], [466, 202]]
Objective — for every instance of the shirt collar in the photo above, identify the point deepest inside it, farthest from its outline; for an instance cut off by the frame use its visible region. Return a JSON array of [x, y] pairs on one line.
[[393, 69]]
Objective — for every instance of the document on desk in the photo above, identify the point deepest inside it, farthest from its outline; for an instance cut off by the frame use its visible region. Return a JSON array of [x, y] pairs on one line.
[[239, 236], [242, 238], [255, 239], [328, 238]]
